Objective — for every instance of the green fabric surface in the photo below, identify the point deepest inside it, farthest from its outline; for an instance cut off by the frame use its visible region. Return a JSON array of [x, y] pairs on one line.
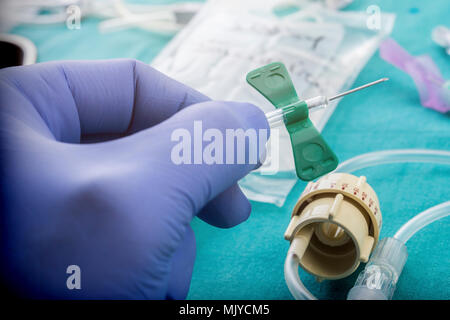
[[246, 262]]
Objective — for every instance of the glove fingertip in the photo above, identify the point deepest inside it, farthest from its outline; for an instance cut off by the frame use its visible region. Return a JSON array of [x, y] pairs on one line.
[[228, 209]]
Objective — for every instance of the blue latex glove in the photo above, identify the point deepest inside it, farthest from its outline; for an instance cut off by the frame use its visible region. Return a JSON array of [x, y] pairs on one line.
[[120, 209]]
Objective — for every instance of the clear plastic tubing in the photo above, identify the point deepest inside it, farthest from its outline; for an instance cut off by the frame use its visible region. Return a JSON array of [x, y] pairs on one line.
[[278, 117], [422, 220], [394, 156], [371, 159], [380, 276], [295, 285]]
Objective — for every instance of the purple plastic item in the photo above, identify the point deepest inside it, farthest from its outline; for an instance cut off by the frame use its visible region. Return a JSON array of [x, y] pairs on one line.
[[433, 89]]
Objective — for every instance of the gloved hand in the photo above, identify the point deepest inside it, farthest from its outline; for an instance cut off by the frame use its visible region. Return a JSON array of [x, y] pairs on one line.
[[120, 209]]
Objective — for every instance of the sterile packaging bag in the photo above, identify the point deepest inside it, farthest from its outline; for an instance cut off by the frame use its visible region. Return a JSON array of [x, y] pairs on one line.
[[323, 50]]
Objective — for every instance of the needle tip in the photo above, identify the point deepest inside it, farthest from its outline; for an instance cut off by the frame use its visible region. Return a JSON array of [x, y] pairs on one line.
[[358, 88]]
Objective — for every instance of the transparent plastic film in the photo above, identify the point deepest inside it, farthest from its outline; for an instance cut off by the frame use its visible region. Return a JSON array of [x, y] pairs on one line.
[[323, 50]]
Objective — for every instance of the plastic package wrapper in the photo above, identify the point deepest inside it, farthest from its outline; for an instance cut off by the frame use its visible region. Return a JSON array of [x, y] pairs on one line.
[[324, 50]]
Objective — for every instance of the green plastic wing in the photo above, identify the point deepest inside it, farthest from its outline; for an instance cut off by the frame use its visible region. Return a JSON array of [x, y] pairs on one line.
[[274, 83], [312, 155]]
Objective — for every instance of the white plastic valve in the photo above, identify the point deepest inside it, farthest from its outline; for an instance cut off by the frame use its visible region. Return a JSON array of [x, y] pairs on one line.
[[380, 276]]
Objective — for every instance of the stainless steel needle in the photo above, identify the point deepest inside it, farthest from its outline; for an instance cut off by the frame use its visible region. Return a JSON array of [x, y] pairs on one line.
[[277, 117], [357, 89]]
